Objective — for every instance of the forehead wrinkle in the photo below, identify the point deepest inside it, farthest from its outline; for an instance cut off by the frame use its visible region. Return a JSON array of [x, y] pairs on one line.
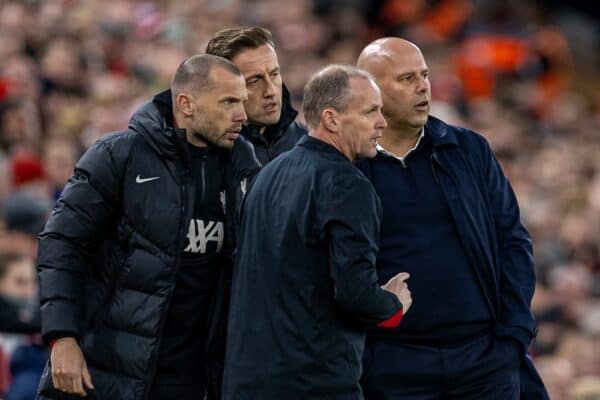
[[260, 61]]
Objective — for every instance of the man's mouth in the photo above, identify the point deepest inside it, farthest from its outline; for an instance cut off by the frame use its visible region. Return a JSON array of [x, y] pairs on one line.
[[422, 105], [234, 132], [271, 107]]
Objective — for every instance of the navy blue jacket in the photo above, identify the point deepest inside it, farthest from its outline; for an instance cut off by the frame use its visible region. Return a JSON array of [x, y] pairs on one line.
[[304, 283], [487, 218], [276, 139]]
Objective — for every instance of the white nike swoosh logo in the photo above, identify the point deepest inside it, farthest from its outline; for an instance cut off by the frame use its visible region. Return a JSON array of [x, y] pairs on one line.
[[138, 179]]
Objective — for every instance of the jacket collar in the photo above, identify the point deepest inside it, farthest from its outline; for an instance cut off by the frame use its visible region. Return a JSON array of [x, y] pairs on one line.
[[441, 134], [320, 146], [154, 121]]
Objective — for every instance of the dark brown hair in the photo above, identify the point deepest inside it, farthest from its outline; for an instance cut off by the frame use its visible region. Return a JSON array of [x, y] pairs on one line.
[[228, 43]]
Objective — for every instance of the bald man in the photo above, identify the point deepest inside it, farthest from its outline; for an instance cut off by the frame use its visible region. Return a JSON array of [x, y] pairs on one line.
[[451, 220], [131, 257]]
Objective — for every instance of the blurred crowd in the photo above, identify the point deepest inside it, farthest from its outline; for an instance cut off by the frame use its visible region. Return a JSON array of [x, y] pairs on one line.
[[525, 75]]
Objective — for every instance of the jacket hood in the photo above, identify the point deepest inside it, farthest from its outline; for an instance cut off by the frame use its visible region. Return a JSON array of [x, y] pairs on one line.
[[288, 113], [154, 121]]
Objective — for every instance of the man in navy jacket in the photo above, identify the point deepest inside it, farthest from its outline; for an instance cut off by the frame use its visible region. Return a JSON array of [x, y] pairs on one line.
[[451, 219], [304, 285]]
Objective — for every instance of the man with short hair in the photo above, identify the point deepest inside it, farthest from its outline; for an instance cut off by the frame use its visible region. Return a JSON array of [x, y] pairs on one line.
[[271, 126], [451, 219], [304, 286], [130, 257]]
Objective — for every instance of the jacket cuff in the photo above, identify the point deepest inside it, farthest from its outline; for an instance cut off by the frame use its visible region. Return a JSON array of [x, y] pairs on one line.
[[519, 334], [52, 337], [393, 321], [523, 337], [60, 319]]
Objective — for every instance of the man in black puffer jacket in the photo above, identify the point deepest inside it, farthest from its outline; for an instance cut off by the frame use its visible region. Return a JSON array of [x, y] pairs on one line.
[[131, 255], [271, 127]]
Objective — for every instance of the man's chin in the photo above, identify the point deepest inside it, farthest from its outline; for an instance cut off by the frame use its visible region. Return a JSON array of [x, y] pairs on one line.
[[226, 143], [267, 120], [367, 154]]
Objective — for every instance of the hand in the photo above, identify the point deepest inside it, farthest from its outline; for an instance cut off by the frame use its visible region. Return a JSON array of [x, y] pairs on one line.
[[69, 370], [397, 286]]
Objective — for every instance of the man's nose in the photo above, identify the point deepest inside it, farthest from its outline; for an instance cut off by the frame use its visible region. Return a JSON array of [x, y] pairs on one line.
[[240, 115], [269, 87], [381, 121], [422, 84]]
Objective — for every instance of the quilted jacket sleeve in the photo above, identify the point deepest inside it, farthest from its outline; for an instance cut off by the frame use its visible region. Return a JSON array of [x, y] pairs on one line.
[[88, 206]]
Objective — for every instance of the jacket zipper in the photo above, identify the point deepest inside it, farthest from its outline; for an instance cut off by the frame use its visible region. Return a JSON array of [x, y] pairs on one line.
[[180, 234]]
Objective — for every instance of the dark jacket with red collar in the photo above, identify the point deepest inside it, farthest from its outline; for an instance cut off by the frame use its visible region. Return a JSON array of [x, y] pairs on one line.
[[304, 285]]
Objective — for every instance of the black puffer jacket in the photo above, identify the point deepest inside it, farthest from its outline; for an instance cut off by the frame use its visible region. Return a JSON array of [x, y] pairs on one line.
[[277, 138], [111, 249]]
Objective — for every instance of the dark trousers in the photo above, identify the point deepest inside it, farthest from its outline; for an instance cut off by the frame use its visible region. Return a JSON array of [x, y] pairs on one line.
[[486, 368]]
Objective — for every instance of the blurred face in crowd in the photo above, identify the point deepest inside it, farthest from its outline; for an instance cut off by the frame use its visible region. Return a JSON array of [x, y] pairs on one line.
[[263, 81], [13, 130], [19, 280], [59, 160], [60, 63], [362, 124], [402, 74], [216, 115]]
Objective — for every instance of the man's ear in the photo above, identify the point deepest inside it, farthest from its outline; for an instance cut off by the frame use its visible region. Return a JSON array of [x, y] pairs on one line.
[[330, 119], [184, 104]]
